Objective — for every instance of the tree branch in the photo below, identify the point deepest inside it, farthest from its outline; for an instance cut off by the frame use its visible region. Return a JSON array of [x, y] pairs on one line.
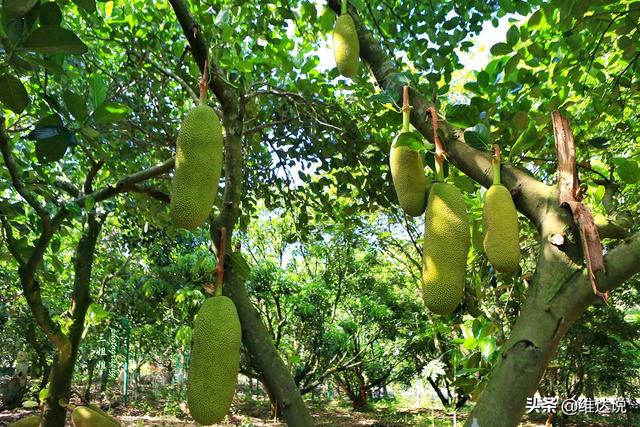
[[622, 263], [9, 161], [127, 183], [151, 192], [218, 84]]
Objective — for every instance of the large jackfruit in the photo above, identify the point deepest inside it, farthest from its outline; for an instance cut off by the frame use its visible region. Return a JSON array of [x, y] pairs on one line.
[[198, 167], [30, 421], [346, 46], [86, 417], [446, 245], [215, 360], [501, 234], [409, 180]]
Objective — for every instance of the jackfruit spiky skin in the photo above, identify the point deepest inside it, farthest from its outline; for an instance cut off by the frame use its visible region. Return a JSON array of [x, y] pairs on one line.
[[198, 167], [501, 234], [30, 421], [85, 417], [346, 46], [409, 180], [215, 360], [446, 245]]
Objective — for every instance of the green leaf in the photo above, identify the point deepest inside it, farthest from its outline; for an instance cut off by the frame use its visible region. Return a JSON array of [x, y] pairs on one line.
[[628, 171], [462, 115], [50, 14], [76, 104], [97, 91], [524, 141], [53, 39], [88, 5], [110, 112], [18, 8], [464, 183], [412, 140], [513, 35], [477, 136], [500, 49], [13, 94], [51, 148]]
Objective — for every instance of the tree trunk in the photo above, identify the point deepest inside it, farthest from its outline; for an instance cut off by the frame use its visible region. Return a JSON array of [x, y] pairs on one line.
[[263, 355], [91, 364], [54, 414]]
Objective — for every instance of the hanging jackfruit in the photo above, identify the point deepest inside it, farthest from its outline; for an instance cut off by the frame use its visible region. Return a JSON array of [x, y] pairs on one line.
[[501, 234], [85, 417], [409, 180], [346, 47], [446, 245], [215, 360], [30, 421], [198, 167]]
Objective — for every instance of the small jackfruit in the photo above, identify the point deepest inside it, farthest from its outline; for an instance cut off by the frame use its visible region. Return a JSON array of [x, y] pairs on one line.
[[409, 180], [445, 249], [198, 167], [215, 360], [346, 46], [501, 234], [30, 421], [85, 417]]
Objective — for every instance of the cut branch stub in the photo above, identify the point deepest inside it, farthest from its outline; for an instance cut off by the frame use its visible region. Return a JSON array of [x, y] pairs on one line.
[[570, 194]]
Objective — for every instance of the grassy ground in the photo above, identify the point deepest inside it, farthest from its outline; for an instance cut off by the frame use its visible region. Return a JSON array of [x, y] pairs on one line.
[[255, 413]]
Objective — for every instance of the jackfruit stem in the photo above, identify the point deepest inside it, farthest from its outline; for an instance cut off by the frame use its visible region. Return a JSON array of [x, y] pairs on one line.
[[343, 7], [439, 160], [495, 162], [406, 109], [204, 83], [220, 267]]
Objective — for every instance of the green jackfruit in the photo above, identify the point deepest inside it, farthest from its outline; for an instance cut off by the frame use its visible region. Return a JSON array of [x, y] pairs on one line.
[[30, 421], [215, 360], [501, 235], [446, 245], [198, 167], [346, 47], [85, 417], [409, 180], [101, 412]]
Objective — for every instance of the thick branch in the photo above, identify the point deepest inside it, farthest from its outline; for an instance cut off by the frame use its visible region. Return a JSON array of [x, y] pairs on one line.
[[192, 31], [622, 263]]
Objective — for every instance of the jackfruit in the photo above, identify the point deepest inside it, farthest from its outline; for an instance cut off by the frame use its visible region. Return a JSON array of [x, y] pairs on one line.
[[346, 46], [101, 412], [30, 421], [85, 417], [198, 167], [409, 180], [446, 245], [215, 360], [501, 235]]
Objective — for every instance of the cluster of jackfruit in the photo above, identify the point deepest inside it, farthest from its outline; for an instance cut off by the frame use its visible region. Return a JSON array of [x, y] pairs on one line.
[[198, 167], [30, 421], [501, 235], [83, 416], [346, 46], [444, 253], [215, 360], [409, 180]]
